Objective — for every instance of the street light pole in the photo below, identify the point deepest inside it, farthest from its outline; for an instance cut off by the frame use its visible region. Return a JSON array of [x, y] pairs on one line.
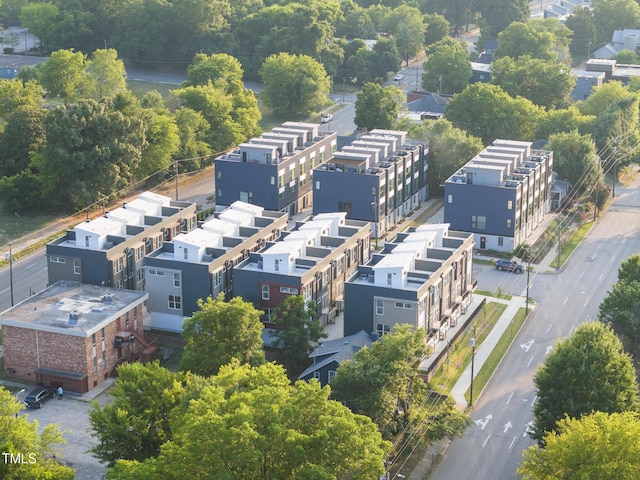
[[526, 307], [472, 342], [9, 256]]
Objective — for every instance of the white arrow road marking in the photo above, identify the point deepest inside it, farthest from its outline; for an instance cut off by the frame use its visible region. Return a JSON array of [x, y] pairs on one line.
[[528, 428], [527, 346], [548, 349], [483, 422], [507, 426]]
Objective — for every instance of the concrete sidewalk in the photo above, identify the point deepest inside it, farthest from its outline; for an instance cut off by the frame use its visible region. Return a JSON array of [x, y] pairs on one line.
[[484, 350]]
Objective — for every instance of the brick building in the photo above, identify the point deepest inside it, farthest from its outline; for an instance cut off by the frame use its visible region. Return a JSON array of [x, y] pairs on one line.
[[73, 335]]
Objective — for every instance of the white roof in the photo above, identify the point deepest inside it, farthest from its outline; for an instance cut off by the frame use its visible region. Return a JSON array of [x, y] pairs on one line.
[[125, 216], [198, 237], [284, 247], [220, 226], [395, 260], [101, 226]]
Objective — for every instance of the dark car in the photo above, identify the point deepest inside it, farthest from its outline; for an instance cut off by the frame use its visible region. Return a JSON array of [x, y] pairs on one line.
[[509, 266], [38, 396]]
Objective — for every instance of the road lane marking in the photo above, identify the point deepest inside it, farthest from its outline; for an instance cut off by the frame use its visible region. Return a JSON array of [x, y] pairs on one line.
[[565, 301], [485, 442], [510, 397], [586, 302], [601, 275], [580, 276], [6, 289], [512, 442], [29, 266], [534, 400], [530, 360], [549, 328]]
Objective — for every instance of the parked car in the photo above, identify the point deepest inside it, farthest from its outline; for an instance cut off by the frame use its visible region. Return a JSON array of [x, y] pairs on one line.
[[326, 118], [509, 266], [38, 396], [398, 77]]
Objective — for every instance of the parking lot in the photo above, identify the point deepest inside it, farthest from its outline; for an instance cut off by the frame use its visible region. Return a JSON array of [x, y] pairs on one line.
[[72, 415]]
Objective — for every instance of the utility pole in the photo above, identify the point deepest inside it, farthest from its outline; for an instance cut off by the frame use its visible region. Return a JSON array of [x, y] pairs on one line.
[[176, 168], [559, 241], [9, 256], [472, 342]]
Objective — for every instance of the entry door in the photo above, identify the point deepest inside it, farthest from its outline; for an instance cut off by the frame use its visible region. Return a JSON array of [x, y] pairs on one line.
[[483, 243]]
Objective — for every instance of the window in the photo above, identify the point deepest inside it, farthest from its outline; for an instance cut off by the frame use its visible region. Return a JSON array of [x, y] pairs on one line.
[[273, 180], [139, 275], [479, 222], [332, 375], [407, 306], [276, 265], [220, 192], [246, 197], [175, 302], [185, 253], [500, 241], [281, 180], [379, 307], [382, 329], [176, 280], [117, 266], [219, 174], [389, 278], [508, 223], [139, 252], [87, 239], [158, 273], [119, 284], [509, 204], [58, 260], [217, 278], [316, 375], [289, 290], [449, 198], [265, 292]]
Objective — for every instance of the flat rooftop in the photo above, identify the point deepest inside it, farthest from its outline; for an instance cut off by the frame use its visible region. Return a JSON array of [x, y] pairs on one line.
[[72, 308]]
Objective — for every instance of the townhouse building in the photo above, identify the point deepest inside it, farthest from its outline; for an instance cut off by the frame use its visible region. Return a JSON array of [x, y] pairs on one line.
[[201, 263], [423, 278], [74, 335], [274, 170], [501, 195], [110, 250], [314, 260], [379, 178]]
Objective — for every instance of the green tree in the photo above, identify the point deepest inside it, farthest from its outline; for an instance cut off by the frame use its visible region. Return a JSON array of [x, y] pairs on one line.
[[136, 423], [377, 106], [220, 332], [192, 129], [406, 25], [108, 73], [599, 446], [563, 120], [19, 436], [621, 309], [38, 18], [448, 68], [64, 75], [497, 15], [488, 112], [616, 132], [382, 382], [163, 142], [547, 84], [584, 373], [437, 28], [629, 270], [298, 333], [294, 84], [449, 149], [576, 160], [583, 40], [23, 133], [94, 147], [259, 426], [357, 24], [627, 57], [232, 118], [16, 93], [610, 15], [211, 68], [521, 38]]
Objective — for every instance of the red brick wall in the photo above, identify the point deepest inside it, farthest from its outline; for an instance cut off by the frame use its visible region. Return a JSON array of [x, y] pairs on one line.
[[66, 352]]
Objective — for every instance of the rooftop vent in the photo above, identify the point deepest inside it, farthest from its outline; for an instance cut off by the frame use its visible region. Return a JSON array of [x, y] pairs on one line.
[[109, 298], [74, 317]]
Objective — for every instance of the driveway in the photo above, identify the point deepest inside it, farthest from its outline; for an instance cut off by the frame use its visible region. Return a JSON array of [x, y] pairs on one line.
[[72, 415]]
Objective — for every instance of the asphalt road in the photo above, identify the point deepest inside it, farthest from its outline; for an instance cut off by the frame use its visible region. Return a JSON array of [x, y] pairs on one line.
[[492, 447]]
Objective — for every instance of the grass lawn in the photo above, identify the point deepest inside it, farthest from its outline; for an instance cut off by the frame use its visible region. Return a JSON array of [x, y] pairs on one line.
[[460, 355], [13, 227], [569, 246], [140, 87], [496, 355]]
